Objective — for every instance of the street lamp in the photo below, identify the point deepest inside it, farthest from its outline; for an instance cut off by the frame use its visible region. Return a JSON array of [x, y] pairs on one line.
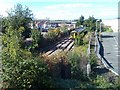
[[95, 49], [100, 30], [96, 25]]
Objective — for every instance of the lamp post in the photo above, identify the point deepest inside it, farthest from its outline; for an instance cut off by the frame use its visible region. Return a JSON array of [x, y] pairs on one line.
[[100, 31], [96, 25], [95, 49]]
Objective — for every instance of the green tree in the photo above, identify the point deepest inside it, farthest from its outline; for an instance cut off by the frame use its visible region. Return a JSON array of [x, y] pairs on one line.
[[80, 21], [20, 17], [90, 23], [11, 41], [1, 23], [36, 39], [20, 68]]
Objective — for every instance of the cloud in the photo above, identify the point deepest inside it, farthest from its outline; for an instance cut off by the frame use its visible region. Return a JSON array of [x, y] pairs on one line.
[[107, 12], [66, 10], [74, 11], [63, 0], [5, 7], [68, 6], [61, 11]]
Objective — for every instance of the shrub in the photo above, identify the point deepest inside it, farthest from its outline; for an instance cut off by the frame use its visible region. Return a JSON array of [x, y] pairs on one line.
[[36, 39], [52, 35], [117, 84], [76, 71], [93, 61], [101, 82], [27, 73]]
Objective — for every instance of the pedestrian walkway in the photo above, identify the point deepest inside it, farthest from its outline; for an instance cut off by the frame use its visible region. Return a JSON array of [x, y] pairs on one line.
[[111, 53]]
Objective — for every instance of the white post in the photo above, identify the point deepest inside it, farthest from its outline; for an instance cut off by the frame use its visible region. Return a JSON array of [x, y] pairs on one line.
[[88, 69]]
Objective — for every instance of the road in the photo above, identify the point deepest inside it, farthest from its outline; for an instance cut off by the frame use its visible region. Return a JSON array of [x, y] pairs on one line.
[[111, 50]]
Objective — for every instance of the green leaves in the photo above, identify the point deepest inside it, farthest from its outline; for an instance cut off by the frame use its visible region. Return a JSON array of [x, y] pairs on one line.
[[80, 21], [93, 61], [18, 17], [101, 82], [36, 39], [11, 42], [22, 73], [89, 24]]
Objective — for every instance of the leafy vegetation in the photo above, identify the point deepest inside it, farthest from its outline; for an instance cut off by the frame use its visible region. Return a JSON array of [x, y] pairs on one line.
[[36, 40], [19, 17], [20, 68], [24, 73], [80, 21], [23, 70], [93, 61], [53, 35], [76, 60], [107, 29], [89, 24], [79, 40]]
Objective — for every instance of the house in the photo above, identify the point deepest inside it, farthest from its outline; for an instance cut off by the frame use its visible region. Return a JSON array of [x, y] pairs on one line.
[[41, 24], [45, 24]]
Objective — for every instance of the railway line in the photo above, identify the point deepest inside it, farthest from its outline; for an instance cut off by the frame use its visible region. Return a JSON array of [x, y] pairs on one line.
[[64, 45]]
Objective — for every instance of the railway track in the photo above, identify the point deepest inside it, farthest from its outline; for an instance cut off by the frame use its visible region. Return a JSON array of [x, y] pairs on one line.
[[64, 45]]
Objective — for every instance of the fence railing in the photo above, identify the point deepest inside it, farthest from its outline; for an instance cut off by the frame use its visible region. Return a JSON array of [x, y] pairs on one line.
[[98, 47]]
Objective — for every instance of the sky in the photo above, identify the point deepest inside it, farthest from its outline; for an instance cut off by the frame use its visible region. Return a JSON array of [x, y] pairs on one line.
[[65, 9]]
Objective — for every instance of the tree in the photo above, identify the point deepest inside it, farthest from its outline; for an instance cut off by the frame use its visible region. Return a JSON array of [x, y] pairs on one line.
[[20, 68], [20, 17], [90, 23], [80, 21], [36, 39], [0, 23]]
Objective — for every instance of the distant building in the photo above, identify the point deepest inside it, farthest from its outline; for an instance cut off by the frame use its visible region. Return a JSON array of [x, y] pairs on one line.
[[45, 24], [41, 24]]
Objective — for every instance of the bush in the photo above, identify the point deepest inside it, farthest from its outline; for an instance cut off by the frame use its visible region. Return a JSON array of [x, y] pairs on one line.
[[29, 73], [52, 35], [101, 82], [107, 29], [76, 71], [117, 84], [36, 39], [93, 61], [79, 39]]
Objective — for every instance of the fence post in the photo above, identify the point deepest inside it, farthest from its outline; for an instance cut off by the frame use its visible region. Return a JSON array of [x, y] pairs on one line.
[[88, 65], [88, 69]]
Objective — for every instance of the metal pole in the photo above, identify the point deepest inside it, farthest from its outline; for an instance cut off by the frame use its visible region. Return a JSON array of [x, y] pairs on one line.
[[100, 27], [95, 37], [100, 32], [100, 38]]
